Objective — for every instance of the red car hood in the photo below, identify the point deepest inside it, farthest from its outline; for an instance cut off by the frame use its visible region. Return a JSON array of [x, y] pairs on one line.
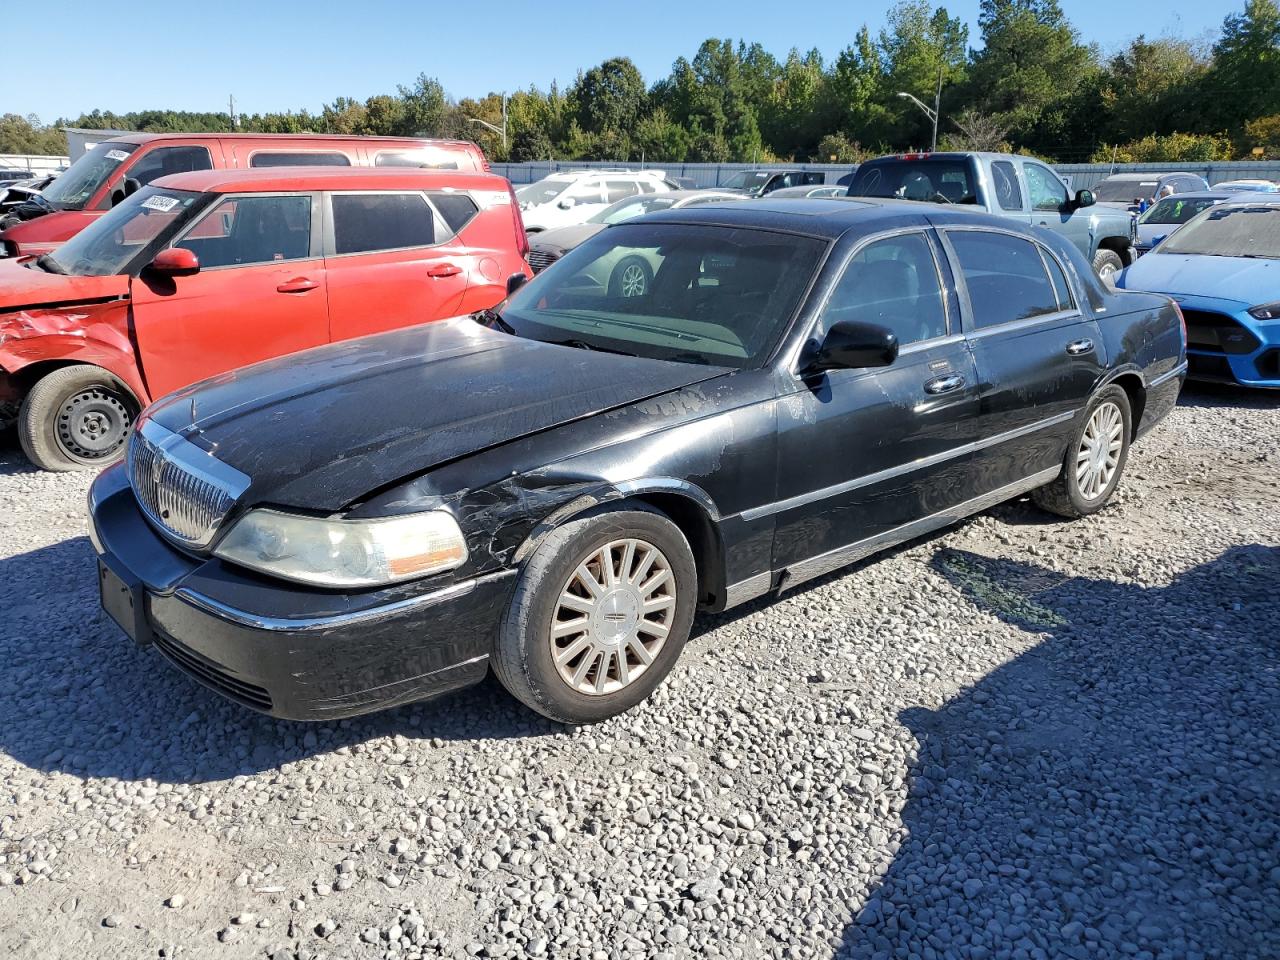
[[24, 285], [47, 231]]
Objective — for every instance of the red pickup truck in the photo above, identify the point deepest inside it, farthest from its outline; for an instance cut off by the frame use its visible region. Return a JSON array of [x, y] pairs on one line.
[[115, 169], [203, 272]]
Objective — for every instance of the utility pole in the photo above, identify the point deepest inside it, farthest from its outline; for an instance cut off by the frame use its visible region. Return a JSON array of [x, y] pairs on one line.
[[231, 109]]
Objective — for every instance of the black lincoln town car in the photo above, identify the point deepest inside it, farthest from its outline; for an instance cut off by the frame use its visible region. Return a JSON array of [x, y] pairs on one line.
[[551, 489]]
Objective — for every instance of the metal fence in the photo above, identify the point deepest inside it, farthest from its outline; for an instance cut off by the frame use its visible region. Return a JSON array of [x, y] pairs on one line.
[[1081, 175]]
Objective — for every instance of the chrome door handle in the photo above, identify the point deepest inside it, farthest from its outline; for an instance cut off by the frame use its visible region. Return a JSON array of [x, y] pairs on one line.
[[1077, 347], [944, 384]]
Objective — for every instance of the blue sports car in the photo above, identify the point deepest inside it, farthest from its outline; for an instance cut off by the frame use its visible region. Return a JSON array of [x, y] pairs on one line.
[[1223, 269]]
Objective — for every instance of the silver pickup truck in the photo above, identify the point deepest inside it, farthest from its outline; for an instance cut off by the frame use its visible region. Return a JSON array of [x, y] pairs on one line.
[[1007, 185]]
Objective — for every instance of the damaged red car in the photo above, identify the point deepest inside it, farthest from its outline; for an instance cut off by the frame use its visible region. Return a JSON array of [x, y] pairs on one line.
[[204, 272]]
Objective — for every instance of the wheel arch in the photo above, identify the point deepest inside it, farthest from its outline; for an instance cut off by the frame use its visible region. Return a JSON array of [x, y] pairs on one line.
[[1131, 382], [29, 366], [1120, 246]]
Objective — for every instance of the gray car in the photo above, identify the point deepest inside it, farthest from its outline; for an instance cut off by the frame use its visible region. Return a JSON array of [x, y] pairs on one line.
[[1131, 191], [811, 191], [632, 278], [1167, 215]]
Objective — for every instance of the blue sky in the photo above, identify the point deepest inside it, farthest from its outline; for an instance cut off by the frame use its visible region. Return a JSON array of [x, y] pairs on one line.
[[281, 55]]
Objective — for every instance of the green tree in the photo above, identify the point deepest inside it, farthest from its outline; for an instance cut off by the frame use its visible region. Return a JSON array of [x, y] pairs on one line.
[[427, 111], [20, 134], [610, 97], [920, 48], [791, 114], [657, 138], [1244, 82], [856, 91], [1151, 85]]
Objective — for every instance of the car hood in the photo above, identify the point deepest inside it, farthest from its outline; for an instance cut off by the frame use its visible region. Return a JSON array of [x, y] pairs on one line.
[[323, 428], [565, 238], [24, 286], [1239, 279], [48, 229]]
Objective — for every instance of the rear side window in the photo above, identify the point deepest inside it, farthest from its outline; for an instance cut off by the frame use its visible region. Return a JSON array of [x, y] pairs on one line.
[[893, 283], [302, 159], [1005, 276], [456, 209], [1004, 178], [166, 160], [1060, 288], [381, 221], [421, 159], [620, 189]]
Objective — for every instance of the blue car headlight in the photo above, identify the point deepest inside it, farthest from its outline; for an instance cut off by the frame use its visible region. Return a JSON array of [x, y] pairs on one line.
[[1265, 311]]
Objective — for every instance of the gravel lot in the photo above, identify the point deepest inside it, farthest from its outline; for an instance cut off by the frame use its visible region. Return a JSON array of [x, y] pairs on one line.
[[1022, 738]]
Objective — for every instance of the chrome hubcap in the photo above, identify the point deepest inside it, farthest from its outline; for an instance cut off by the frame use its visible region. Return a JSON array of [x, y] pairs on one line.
[[612, 617], [633, 281], [1099, 452]]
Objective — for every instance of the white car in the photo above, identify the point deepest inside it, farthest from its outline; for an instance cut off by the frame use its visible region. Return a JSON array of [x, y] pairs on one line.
[[564, 199]]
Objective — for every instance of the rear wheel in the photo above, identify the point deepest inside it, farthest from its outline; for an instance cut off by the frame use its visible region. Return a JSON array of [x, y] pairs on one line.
[[76, 418], [599, 617], [630, 278], [1095, 458]]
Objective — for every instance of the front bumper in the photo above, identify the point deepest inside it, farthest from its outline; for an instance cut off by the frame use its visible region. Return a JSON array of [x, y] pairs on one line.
[[1227, 345], [279, 648]]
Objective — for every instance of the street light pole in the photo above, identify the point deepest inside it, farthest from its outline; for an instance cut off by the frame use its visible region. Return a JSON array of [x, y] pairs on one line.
[[933, 113]]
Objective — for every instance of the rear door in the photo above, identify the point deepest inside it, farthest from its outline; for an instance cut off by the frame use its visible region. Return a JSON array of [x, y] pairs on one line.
[[863, 452], [260, 292], [1038, 354], [1008, 191], [392, 261]]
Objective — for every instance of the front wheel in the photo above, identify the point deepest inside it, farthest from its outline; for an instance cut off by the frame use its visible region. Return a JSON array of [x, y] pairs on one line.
[[599, 617], [630, 278], [1095, 458], [76, 418], [1107, 264]]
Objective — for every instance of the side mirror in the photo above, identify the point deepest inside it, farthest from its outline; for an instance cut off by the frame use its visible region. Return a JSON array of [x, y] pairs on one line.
[[1084, 198], [175, 262], [853, 345], [515, 282], [567, 203]]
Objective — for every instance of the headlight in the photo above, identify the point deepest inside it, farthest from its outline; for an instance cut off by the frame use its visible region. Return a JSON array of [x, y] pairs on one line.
[[1265, 311], [345, 553]]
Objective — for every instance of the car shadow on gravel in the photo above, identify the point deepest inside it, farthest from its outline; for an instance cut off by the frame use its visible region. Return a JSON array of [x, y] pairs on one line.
[[1199, 393], [77, 697], [1113, 791]]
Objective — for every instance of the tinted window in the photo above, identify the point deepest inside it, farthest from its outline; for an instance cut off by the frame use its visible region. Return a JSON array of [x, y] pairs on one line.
[[416, 158], [1005, 277], [1004, 179], [456, 209], [166, 160], [1047, 191], [893, 283], [1175, 210], [244, 230], [695, 294], [307, 159], [927, 180], [1060, 287], [381, 221], [1230, 231], [1115, 191]]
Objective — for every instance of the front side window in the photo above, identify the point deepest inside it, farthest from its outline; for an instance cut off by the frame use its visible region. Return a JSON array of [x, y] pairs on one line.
[[1004, 179], [240, 231], [892, 283], [1230, 231], [73, 189], [163, 161], [1046, 190], [693, 294], [112, 242], [1005, 276], [616, 190], [589, 192], [364, 222], [299, 159]]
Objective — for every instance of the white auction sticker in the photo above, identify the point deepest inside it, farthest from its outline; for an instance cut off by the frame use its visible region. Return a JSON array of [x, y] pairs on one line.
[[117, 155], [160, 202]]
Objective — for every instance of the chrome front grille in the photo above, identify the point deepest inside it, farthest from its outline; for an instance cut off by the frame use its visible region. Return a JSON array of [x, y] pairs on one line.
[[539, 260], [184, 491]]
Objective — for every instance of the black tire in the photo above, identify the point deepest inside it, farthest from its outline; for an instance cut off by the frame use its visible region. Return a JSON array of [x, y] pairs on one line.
[[1106, 264], [523, 659], [76, 418], [624, 275], [1064, 496]]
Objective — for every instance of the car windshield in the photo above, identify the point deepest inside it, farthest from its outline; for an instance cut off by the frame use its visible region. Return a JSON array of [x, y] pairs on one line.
[[73, 189], [1230, 231], [936, 180], [544, 191], [667, 291], [107, 245], [1176, 210], [748, 180], [1252, 186], [629, 208], [1114, 191]]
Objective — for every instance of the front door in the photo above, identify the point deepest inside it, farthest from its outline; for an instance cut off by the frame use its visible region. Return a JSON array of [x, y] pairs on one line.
[[391, 262], [1051, 207], [260, 292], [865, 452], [1039, 355]]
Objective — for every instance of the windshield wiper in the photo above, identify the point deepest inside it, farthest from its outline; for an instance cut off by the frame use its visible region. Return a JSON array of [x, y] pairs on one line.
[[493, 317], [583, 345], [47, 263]]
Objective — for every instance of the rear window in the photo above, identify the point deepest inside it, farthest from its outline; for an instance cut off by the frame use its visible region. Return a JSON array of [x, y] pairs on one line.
[[941, 180], [1116, 191], [299, 159], [363, 222]]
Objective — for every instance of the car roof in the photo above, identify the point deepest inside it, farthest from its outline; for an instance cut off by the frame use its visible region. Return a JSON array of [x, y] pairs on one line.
[[1150, 175], [268, 179], [825, 218], [599, 171], [1252, 200], [283, 138], [1202, 195], [682, 195]]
